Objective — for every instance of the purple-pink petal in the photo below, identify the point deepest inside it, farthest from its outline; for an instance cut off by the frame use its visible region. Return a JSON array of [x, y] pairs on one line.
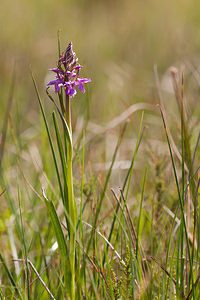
[[78, 67], [72, 91], [51, 82], [84, 80], [57, 88], [54, 70], [81, 87]]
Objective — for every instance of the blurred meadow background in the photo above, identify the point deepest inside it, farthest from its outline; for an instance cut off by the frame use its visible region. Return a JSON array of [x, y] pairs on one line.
[[119, 43]]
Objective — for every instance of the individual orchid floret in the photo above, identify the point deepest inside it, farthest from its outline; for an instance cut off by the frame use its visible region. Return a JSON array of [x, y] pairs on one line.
[[67, 73]]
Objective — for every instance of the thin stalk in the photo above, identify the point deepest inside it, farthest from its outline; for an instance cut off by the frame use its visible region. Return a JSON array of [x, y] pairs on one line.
[[164, 288], [59, 49], [68, 112], [64, 169], [80, 218], [132, 163], [11, 278], [178, 260], [106, 184], [25, 251], [128, 175], [182, 262], [140, 212], [71, 199], [183, 189], [180, 201]]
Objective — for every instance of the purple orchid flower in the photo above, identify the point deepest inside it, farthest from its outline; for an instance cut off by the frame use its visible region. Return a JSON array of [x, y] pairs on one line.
[[67, 73]]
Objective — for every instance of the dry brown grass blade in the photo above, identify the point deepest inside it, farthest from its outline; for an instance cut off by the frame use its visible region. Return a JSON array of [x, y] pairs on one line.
[[38, 276], [30, 186], [100, 130], [108, 213], [168, 274], [98, 270], [177, 92], [1, 194], [125, 218], [130, 225], [173, 145], [132, 228], [195, 284], [133, 233]]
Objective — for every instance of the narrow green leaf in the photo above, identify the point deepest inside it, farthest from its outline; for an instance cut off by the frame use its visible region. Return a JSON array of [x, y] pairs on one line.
[[140, 213], [64, 253], [64, 169], [49, 137], [10, 277], [23, 241], [180, 201]]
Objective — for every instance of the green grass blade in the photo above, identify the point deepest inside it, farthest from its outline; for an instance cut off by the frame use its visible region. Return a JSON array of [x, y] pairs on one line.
[[140, 213], [82, 186], [64, 169], [64, 253], [109, 173], [59, 51], [180, 201], [18, 280], [1, 294], [25, 249], [127, 176], [80, 217], [134, 156], [106, 184], [10, 277], [49, 137]]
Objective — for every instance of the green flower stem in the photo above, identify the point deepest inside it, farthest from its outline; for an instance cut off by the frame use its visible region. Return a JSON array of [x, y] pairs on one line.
[[71, 199], [68, 112]]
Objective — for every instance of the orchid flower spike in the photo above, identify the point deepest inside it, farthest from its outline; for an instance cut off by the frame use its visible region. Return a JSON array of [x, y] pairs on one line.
[[67, 73]]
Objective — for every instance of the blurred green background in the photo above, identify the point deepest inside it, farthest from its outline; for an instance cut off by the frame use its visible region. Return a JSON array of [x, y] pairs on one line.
[[118, 42]]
